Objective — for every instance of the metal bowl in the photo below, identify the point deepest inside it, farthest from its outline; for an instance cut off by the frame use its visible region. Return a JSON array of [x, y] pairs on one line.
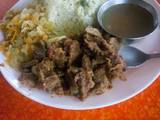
[[140, 3]]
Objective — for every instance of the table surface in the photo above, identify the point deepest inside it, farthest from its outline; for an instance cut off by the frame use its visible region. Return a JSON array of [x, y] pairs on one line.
[[14, 106]]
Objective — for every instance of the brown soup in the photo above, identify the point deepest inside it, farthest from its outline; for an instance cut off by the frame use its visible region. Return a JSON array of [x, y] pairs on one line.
[[128, 21]]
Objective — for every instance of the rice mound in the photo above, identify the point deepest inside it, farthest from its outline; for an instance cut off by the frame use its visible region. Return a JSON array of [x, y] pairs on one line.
[[71, 17]]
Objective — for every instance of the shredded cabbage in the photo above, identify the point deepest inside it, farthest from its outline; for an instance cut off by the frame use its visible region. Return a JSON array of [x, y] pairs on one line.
[[22, 29]]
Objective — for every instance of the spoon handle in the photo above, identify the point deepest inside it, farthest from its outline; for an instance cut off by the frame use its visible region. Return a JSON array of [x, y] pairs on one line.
[[154, 55]]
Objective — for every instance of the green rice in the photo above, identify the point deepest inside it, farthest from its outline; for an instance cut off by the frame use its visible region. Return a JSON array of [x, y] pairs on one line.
[[71, 17]]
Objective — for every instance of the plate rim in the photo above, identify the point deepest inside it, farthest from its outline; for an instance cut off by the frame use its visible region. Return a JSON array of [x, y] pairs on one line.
[[66, 107]]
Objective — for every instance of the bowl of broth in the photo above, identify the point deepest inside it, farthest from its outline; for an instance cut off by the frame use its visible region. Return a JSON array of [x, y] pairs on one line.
[[128, 19]]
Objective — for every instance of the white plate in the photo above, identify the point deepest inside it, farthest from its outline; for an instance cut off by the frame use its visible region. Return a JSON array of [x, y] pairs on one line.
[[138, 79]]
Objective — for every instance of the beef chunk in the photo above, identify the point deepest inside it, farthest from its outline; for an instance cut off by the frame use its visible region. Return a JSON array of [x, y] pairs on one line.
[[93, 47], [72, 47], [98, 60], [43, 69], [97, 44], [80, 82], [40, 50], [58, 56], [117, 69], [100, 75], [29, 64], [84, 82], [86, 62], [28, 79], [101, 81], [93, 32], [53, 84], [71, 73], [113, 41]]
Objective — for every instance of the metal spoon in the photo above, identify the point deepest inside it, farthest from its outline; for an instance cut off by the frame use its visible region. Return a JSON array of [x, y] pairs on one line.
[[134, 57]]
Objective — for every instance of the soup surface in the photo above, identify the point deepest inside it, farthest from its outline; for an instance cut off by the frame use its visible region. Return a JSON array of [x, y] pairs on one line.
[[128, 21]]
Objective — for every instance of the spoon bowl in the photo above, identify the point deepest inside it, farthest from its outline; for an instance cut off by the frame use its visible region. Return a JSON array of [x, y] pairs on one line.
[[134, 57]]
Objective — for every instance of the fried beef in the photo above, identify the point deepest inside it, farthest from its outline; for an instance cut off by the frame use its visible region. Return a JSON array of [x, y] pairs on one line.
[[77, 67]]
